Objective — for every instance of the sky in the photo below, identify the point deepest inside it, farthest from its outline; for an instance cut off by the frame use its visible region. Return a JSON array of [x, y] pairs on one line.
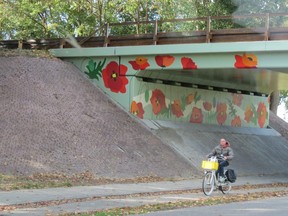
[[282, 113]]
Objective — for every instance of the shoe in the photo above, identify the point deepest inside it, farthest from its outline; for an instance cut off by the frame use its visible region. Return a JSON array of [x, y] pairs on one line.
[[221, 179]]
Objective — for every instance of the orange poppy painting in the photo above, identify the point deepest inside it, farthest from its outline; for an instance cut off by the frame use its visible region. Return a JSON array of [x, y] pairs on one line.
[[158, 101], [236, 122], [246, 61], [137, 109], [221, 110], [197, 116], [140, 63], [262, 113], [164, 61], [176, 109]]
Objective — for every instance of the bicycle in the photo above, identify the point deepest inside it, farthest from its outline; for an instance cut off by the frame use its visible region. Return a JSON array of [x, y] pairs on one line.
[[211, 181]]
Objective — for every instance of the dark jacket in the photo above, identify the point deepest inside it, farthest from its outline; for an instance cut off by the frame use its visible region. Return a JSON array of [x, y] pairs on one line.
[[218, 151]]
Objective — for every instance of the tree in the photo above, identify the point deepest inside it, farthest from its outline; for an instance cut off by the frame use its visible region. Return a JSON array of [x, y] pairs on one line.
[[260, 6], [24, 19], [284, 98], [274, 101]]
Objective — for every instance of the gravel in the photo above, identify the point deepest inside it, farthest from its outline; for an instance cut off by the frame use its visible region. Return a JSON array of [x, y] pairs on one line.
[[52, 119]]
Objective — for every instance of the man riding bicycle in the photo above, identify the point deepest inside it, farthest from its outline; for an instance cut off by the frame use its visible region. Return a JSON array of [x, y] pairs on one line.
[[224, 154]]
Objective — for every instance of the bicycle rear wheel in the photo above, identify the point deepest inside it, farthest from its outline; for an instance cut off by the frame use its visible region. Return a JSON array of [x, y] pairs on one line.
[[225, 187], [208, 184]]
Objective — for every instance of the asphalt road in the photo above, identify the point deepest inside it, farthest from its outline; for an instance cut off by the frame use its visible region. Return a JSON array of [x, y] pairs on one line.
[[273, 206]]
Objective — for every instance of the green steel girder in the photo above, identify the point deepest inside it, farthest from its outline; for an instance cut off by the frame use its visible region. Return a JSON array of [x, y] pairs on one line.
[[215, 64]]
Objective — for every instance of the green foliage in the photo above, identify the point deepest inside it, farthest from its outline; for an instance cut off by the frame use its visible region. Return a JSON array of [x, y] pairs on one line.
[[255, 115], [24, 19], [232, 110], [146, 96], [284, 98], [197, 97], [260, 6], [94, 71]]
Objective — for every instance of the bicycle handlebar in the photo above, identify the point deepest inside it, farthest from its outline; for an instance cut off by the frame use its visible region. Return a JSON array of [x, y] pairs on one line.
[[221, 157]]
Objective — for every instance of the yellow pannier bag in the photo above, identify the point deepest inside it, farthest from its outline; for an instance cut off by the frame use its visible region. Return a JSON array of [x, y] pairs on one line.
[[210, 165]]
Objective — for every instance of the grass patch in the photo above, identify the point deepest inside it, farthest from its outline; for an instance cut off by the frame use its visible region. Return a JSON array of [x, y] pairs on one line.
[[53, 180], [25, 52], [8, 183]]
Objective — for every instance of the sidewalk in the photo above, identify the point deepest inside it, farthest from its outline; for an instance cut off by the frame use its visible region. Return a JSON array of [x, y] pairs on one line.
[[101, 193]]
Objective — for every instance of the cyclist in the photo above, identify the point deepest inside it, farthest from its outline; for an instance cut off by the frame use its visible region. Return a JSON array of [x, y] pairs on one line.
[[224, 154]]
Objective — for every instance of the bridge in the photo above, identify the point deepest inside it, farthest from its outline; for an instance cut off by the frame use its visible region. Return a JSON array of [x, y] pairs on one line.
[[205, 89], [202, 76]]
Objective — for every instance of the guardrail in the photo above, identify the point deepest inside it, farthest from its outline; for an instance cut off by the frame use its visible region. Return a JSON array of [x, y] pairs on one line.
[[254, 27]]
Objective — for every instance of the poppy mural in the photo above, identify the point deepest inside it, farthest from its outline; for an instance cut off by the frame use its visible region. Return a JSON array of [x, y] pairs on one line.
[[196, 116], [236, 122], [189, 99], [137, 109], [207, 106], [249, 114], [246, 61], [221, 113], [164, 60], [94, 69], [262, 113], [178, 103], [237, 99], [140, 63], [158, 101], [114, 77], [200, 106], [188, 63], [176, 108]]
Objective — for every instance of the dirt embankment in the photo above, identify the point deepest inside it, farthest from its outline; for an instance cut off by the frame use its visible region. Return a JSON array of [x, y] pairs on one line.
[[279, 125], [52, 119]]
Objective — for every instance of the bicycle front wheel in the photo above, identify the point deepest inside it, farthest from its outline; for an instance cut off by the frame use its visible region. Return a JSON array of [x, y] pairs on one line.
[[225, 187], [208, 184]]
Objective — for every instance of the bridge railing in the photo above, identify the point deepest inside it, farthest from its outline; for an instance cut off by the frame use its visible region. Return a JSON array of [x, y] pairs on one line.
[[212, 29]]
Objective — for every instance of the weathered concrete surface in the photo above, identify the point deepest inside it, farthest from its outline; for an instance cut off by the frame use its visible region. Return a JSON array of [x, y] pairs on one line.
[[257, 151]]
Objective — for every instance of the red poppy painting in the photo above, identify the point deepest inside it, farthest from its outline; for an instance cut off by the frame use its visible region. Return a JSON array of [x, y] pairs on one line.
[[164, 61], [221, 110], [246, 61], [207, 106], [262, 113], [137, 109], [176, 109], [158, 101], [197, 116], [237, 99], [114, 77], [248, 114], [188, 63], [189, 99], [236, 122], [140, 63]]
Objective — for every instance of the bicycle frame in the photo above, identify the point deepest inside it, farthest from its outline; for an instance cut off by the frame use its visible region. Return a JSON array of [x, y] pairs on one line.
[[211, 182]]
